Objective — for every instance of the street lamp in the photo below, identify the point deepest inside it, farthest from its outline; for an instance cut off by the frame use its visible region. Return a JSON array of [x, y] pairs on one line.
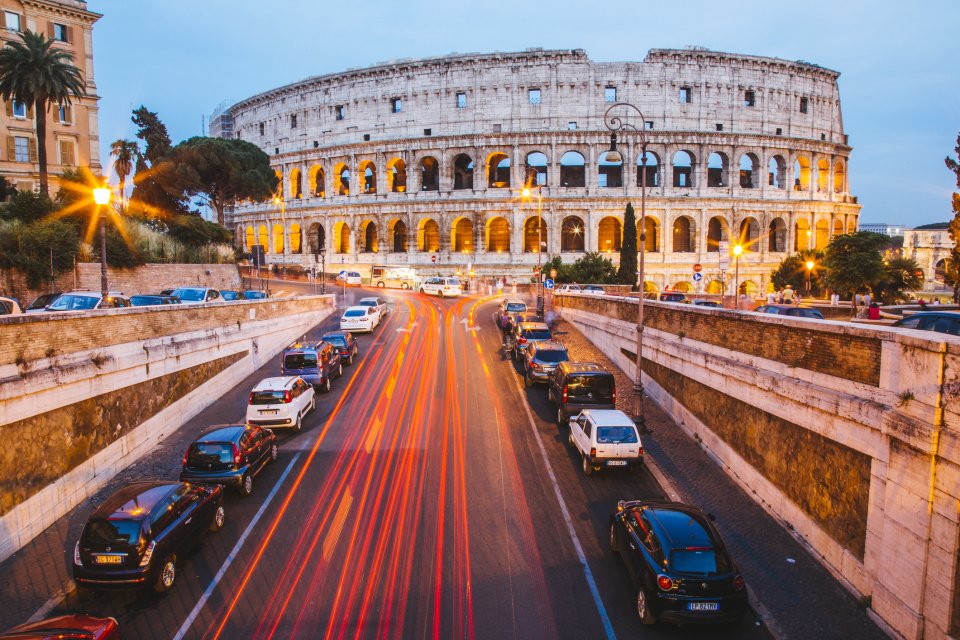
[[737, 250], [614, 124], [101, 196], [279, 199], [526, 195], [323, 268], [809, 272]]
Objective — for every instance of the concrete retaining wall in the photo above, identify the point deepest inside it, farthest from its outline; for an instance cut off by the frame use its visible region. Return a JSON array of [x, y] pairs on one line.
[[848, 434]]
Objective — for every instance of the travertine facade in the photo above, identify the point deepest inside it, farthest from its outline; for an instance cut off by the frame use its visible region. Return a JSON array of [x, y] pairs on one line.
[[422, 162], [930, 246]]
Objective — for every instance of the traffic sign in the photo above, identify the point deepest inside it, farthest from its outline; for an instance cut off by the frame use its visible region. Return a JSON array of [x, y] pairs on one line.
[[697, 277], [553, 273], [433, 258], [343, 275], [548, 283], [697, 268]]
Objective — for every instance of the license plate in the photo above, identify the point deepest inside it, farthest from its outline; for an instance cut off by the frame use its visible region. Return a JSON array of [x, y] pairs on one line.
[[268, 412], [616, 463], [703, 606], [109, 559]]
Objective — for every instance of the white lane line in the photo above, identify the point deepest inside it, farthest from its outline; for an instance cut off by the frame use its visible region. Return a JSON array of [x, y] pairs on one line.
[[234, 552], [594, 591]]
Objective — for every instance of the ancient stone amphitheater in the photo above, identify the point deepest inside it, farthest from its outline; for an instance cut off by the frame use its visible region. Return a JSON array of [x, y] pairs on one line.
[[423, 162]]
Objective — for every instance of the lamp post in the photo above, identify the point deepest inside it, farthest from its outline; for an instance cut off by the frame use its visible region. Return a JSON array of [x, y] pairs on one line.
[[737, 250], [526, 195], [615, 123], [323, 269], [101, 195], [809, 273], [279, 199]]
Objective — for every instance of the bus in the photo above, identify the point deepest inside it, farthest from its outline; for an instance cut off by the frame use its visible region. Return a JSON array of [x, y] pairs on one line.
[[392, 277]]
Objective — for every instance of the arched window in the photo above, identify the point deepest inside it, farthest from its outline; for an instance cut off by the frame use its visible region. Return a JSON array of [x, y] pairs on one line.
[[571, 234], [530, 244], [683, 286], [296, 184], [429, 174], [342, 177], [852, 224], [749, 288], [749, 233], [428, 236], [823, 234], [262, 238], [801, 174], [368, 173], [823, 175], [749, 164], [611, 173], [296, 239], [653, 170], [463, 172], [368, 232], [839, 178], [683, 229], [572, 172], [683, 174], [940, 271], [397, 175], [250, 238], [498, 235], [716, 233], [317, 182], [803, 235], [316, 238], [536, 168], [462, 240], [652, 241], [277, 238], [717, 167], [498, 171], [400, 237], [609, 235], [838, 227], [778, 236], [341, 237], [776, 172]]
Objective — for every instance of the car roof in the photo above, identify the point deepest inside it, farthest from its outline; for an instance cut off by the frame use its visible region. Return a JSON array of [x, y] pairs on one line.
[[610, 417], [515, 301], [275, 383], [308, 345], [534, 325], [223, 433], [584, 367], [357, 306], [673, 522], [549, 345], [934, 314], [135, 499], [340, 334], [370, 299]]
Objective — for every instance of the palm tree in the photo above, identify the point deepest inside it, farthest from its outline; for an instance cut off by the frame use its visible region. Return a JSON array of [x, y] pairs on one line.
[[32, 72], [125, 153]]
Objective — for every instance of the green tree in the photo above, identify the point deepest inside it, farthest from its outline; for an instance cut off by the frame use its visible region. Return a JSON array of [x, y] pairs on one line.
[[899, 275], [27, 207], [593, 268], [125, 154], [952, 274], [219, 171], [194, 231], [627, 273], [854, 261], [792, 271], [150, 199], [34, 72]]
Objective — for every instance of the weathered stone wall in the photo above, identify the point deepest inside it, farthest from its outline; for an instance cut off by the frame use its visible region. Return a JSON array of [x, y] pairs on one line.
[[850, 434]]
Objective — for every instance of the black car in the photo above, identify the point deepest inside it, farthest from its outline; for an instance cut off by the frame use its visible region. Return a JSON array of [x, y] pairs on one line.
[[317, 362], [790, 310], [673, 296], [343, 342], [152, 301], [230, 455], [576, 386], [708, 303], [677, 562], [137, 537], [253, 294], [540, 360], [940, 321], [43, 301]]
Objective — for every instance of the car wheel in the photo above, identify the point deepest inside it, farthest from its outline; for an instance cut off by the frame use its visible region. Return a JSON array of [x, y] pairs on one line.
[[340, 370], [587, 467], [246, 485], [167, 576], [643, 608], [350, 359], [421, 291], [440, 293], [326, 385], [380, 285], [298, 425], [404, 286], [613, 536], [559, 417], [274, 452], [218, 517], [570, 440], [527, 380]]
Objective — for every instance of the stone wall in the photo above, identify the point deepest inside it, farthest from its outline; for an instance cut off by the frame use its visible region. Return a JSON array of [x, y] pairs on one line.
[[848, 434]]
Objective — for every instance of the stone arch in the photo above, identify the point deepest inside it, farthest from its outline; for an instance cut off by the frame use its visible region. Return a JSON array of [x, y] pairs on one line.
[[717, 232], [463, 172], [940, 271], [683, 169], [572, 170], [652, 242], [536, 173], [823, 234], [367, 238], [684, 240], [397, 230], [296, 183], [609, 234], [316, 238], [749, 234], [341, 180], [317, 181], [801, 174], [572, 234], [683, 286], [714, 287], [718, 167], [650, 287], [296, 238], [838, 227], [341, 238], [749, 170], [852, 225], [777, 242], [461, 235], [823, 175], [749, 288], [777, 172], [396, 175], [368, 176], [498, 235], [653, 170], [277, 238], [530, 244], [610, 172], [428, 236], [250, 238], [839, 177], [429, 174], [498, 170], [263, 239], [803, 235]]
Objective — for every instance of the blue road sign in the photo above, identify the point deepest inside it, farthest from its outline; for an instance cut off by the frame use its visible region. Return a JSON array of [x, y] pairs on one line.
[[697, 277], [343, 274], [548, 283]]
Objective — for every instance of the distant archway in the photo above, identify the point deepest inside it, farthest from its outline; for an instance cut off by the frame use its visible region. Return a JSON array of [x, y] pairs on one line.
[[572, 234]]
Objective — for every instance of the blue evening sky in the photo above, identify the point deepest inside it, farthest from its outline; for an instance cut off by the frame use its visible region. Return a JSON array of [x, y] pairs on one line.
[[899, 85]]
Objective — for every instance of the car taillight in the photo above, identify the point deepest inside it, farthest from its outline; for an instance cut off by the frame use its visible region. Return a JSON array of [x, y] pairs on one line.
[[76, 555], [614, 396], [738, 582], [522, 341], [186, 454], [236, 455], [664, 582], [566, 389], [251, 397], [593, 452], [534, 365], [287, 398], [145, 560]]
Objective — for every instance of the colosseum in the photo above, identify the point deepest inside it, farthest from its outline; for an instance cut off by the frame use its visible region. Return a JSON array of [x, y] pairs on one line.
[[422, 163]]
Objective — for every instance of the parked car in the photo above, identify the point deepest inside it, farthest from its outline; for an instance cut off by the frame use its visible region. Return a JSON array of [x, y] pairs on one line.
[[153, 300], [605, 438], [507, 310], [540, 360], [10, 307], [230, 455], [375, 302], [592, 290], [315, 361], [673, 296], [569, 288], [196, 295], [228, 295], [40, 304], [281, 402], [345, 343], [940, 321], [254, 294], [140, 533], [76, 626], [358, 318], [677, 562], [576, 386], [790, 310], [708, 303], [351, 278], [77, 301], [526, 333], [441, 287]]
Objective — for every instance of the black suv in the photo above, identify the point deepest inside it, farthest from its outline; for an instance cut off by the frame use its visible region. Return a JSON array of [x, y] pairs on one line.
[[940, 321], [230, 455], [317, 362], [137, 536], [576, 386], [677, 562], [345, 343]]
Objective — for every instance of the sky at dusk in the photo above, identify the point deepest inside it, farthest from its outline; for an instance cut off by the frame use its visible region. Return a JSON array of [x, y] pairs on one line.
[[899, 85]]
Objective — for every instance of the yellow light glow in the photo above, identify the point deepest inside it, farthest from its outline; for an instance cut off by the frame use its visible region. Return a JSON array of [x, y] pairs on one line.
[[810, 265], [737, 250], [525, 193], [101, 195]]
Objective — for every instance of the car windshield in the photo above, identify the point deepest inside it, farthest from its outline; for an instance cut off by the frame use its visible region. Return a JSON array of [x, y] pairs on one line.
[[190, 295], [74, 303], [552, 355], [368, 303], [612, 435], [599, 386], [354, 313], [299, 360], [353, 274], [453, 282], [99, 533], [204, 453], [694, 560], [266, 397], [337, 341], [516, 306], [145, 301], [537, 334], [806, 313], [43, 301], [229, 295], [254, 295]]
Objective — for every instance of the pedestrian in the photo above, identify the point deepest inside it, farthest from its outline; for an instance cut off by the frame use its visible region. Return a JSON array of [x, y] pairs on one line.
[[771, 297], [788, 295], [867, 299], [499, 287], [923, 303], [874, 312]]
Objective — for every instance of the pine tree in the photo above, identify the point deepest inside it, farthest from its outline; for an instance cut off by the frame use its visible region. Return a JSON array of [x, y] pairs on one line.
[[952, 274], [627, 273]]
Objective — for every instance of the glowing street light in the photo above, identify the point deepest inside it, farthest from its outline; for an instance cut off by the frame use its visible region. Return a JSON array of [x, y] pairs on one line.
[[101, 196], [525, 193], [737, 250], [809, 272]]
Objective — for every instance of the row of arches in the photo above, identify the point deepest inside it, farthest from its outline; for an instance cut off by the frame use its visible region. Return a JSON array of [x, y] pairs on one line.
[[496, 171]]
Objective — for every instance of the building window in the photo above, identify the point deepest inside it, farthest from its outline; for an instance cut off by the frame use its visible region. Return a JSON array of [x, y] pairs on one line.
[[65, 115], [610, 94], [571, 126], [12, 21], [533, 95], [461, 100], [749, 99], [396, 105], [340, 111], [779, 131], [22, 149], [719, 127], [428, 132], [68, 153], [498, 128], [366, 137], [686, 95], [19, 109], [648, 124], [803, 105], [293, 121], [262, 128], [60, 33]]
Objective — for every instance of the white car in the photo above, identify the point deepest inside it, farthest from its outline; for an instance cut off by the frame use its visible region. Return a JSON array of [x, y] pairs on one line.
[[592, 290], [9, 307], [442, 287], [605, 438], [569, 288], [281, 402], [351, 278], [377, 303], [78, 301], [195, 295], [359, 318]]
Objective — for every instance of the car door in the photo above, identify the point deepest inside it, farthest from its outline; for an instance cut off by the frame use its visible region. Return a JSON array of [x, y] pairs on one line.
[[183, 530], [579, 428], [306, 395], [260, 446]]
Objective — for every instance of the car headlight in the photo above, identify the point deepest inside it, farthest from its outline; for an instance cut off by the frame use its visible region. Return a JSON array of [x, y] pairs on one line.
[[76, 555], [145, 560]]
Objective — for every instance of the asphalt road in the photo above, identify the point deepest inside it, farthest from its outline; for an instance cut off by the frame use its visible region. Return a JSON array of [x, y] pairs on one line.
[[429, 496]]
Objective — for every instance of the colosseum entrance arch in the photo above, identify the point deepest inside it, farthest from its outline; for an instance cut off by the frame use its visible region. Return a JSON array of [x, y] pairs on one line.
[[462, 236], [498, 235], [316, 238], [463, 172], [498, 171], [428, 236], [341, 237], [653, 170], [571, 235], [398, 231], [536, 169], [368, 237], [397, 175], [429, 174], [530, 244], [609, 235], [716, 233], [652, 234], [778, 236], [572, 171]]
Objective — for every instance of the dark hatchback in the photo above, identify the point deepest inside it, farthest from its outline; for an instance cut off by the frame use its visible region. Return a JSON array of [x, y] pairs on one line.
[[576, 386], [43, 301], [344, 343], [939, 321], [525, 333], [677, 562], [153, 301], [540, 360], [316, 362], [137, 537], [230, 455], [790, 310]]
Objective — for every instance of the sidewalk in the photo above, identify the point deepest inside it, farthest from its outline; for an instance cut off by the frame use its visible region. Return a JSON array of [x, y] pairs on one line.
[[801, 596]]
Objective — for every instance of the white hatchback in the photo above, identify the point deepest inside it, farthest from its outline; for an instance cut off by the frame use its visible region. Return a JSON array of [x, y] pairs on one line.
[[605, 438], [351, 278], [442, 287], [360, 319], [376, 302], [281, 402]]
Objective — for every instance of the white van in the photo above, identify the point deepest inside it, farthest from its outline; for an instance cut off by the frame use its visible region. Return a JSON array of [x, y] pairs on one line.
[[443, 287]]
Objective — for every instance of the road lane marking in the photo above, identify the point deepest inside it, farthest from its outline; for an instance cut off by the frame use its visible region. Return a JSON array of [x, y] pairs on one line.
[[185, 627], [336, 527]]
